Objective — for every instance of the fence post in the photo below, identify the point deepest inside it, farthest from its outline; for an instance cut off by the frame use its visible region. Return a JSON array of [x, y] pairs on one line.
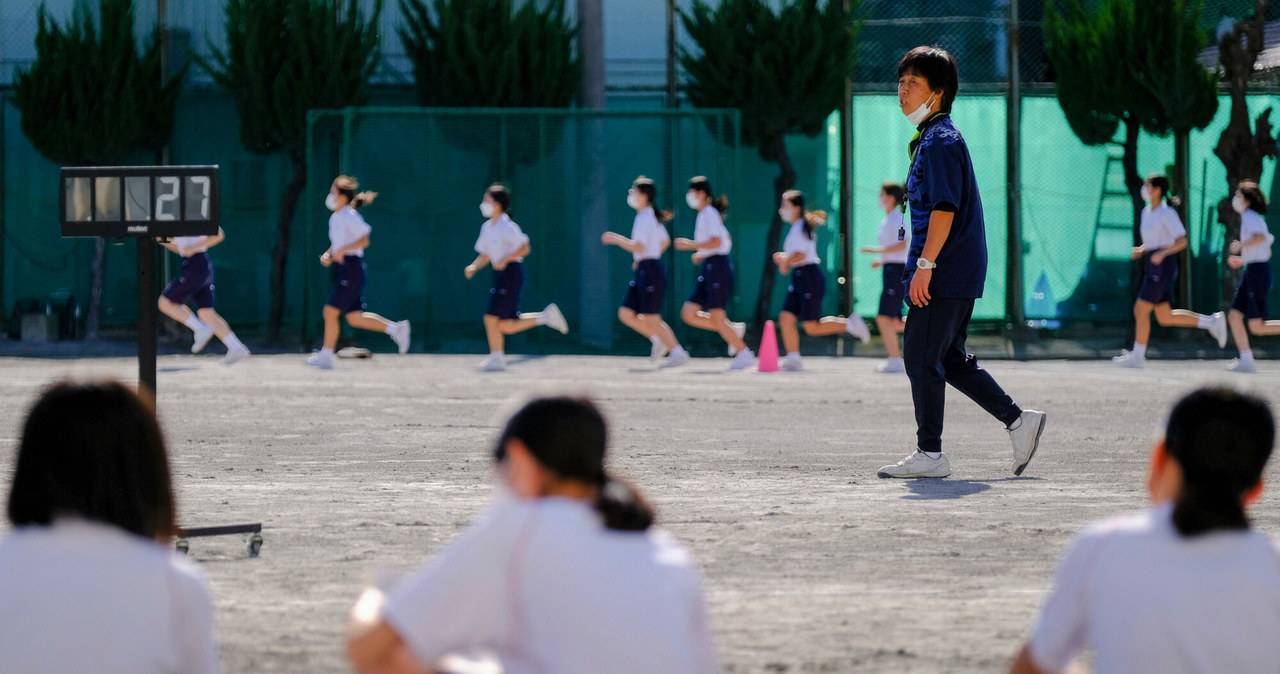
[[1013, 297]]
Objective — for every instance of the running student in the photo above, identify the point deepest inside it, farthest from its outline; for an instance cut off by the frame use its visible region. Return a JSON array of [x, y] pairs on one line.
[[711, 244], [892, 243], [88, 580], [1253, 252], [348, 237], [799, 255], [641, 309], [564, 575], [1187, 586], [195, 284], [1162, 237], [504, 246]]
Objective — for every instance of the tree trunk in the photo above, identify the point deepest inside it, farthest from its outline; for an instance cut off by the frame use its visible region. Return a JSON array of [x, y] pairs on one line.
[[786, 180], [280, 254], [1180, 185], [96, 272], [1133, 181]]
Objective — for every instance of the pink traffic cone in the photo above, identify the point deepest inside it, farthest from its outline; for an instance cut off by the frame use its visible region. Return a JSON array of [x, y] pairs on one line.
[[768, 358]]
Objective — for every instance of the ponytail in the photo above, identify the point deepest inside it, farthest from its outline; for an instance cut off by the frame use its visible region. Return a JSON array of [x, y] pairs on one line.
[[721, 203], [812, 219], [363, 199], [664, 216], [647, 187], [622, 507], [701, 184]]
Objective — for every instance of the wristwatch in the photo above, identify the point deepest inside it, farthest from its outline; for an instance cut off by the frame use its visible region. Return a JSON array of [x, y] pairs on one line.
[[923, 263]]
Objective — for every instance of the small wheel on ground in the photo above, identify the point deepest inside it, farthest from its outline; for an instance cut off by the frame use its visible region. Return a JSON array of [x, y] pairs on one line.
[[255, 545], [181, 545]]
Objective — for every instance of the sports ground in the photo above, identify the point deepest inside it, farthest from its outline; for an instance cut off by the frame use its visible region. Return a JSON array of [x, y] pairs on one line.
[[812, 563]]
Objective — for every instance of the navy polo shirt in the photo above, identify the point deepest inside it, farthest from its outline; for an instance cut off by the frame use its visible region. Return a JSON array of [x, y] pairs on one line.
[[942, 178]]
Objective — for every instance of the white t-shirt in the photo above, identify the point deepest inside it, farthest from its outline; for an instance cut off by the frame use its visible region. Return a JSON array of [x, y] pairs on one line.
[[1146, 599], [1160, 227], [543, 586], [500, 238], [708, 226], [190, 245], [1252, 224], [648, 231], [798, 242], [82, 596], [347, 226], [888, 236]]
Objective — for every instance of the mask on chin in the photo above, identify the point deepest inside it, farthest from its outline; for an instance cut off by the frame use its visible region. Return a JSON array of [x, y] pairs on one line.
[[921, 113]]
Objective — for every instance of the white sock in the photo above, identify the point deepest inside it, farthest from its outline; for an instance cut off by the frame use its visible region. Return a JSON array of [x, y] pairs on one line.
[[933, 455], [233, 342], [794, 355], [655, 339], [195, 323], [497, 354], [1204, 322], [326, 351], [392, 328], [1247, 354], [1139, 350], [677, 349]]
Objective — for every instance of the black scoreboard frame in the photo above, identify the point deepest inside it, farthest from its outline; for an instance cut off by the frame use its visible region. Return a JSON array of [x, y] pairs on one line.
[[120, 224]]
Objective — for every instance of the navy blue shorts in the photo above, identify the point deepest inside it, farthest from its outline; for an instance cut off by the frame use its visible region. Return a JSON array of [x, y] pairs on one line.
[[194, 282], [504, 296], [1157, 280], [891, 296], [715, 283], [1251, 295], [804, 295], [347, 293], [647, 288]]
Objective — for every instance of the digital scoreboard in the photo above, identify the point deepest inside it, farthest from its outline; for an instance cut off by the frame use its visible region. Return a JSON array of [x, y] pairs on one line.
[[139, 201]]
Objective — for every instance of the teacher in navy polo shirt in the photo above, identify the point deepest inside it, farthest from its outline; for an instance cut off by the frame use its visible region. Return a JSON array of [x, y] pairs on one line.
[[946, 268]]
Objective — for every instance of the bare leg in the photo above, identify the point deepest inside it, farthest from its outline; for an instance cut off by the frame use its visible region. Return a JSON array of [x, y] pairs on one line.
[[211, 317], [331, 315], [1142, 321], [178, 312], [635, 321], [693, 315], [1261, 328], [511, 326], [721, 321], [790, 336], [367, 320], [1235, 318], [889, 329], [825, 327], [1178, 318], [493, 333], [659, 327]]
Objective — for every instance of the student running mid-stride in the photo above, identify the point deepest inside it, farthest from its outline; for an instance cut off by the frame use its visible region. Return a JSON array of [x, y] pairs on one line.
[[1253, 252], [503, 245], [195, 284], [799, 256], [892, 243], [705, 308], [641, 309], [348, 237]]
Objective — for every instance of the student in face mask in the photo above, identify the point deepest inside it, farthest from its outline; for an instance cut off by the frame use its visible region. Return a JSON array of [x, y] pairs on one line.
[[348, 237], [504, 246], [1253, 252]]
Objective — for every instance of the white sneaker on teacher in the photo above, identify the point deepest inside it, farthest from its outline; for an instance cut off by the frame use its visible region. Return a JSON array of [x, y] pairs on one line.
[[554, 319], [1025, 435], [234, 355], [1219, 329], [496, 362], [202, 337], [321, 360], [918, 464], [891, 365], [1130, 359], [857, 327], [401, 336], [743, 360]]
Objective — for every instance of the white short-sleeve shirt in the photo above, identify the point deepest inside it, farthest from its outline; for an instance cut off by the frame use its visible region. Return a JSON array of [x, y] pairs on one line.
[[1145, 599], [190, 245], [1160, 227], [546, 588], [346, 226], [708, 226], [82, 596], [500, 238], [799, 242], [649, 232], [1251, 225], [888, 236]]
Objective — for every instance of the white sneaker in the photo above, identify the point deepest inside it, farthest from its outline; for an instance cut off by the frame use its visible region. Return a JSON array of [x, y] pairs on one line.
[[203, 335], [554, 319], [321, 360], [1242, 365], [401, 336], [918, 464], [891, 365], [791, 363], [1219, 329], [676, 359], [1130, 359], [1026, 438], [496, 362], [658, 350], [235, 355], [743, 360], [857, 327]]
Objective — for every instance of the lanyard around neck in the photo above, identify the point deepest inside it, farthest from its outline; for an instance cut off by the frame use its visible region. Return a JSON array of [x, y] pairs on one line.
[[913, 151]]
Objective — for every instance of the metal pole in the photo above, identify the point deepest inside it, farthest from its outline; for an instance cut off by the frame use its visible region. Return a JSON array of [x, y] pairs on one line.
[[1014, 309], [146, 312], [846, 194]]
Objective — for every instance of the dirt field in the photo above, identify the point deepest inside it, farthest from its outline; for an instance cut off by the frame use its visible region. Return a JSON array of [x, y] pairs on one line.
[[812, 563]]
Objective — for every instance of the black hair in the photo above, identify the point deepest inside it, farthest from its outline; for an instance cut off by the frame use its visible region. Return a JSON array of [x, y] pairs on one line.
[[1221, 440], [701, 184], [646, 187], [1253, 196], [812, 219], [1161, 182], [567, 436], [938, 68], [347, 186], [894, 190], [94, 449], [499, 193]]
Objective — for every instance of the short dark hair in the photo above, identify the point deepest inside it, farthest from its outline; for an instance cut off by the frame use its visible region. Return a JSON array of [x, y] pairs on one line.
[[894, 190], [938, 67], [499, 193], [94, 449], [1221, 439], [1253, 196]]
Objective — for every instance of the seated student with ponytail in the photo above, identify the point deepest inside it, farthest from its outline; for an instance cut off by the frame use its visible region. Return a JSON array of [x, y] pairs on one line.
[[1187, 586], [564, 576]]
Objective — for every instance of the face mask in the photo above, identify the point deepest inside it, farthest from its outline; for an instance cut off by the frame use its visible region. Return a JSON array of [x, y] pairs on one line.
[[1145, 193], [921, 112], [633, 201], [331, 202], [691, 199], [486, 209], [1239, 204]]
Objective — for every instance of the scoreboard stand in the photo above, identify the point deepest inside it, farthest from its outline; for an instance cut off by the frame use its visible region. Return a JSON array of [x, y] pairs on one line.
[[147, 203]]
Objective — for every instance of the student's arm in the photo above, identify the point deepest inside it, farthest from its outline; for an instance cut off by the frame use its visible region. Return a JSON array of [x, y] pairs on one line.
[[1160, 255], [373, 646], [168, 244], [1257, 238], [939, 229], [690, 244], [211, 241], [522, 251], [479, 263], [629, 245]]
